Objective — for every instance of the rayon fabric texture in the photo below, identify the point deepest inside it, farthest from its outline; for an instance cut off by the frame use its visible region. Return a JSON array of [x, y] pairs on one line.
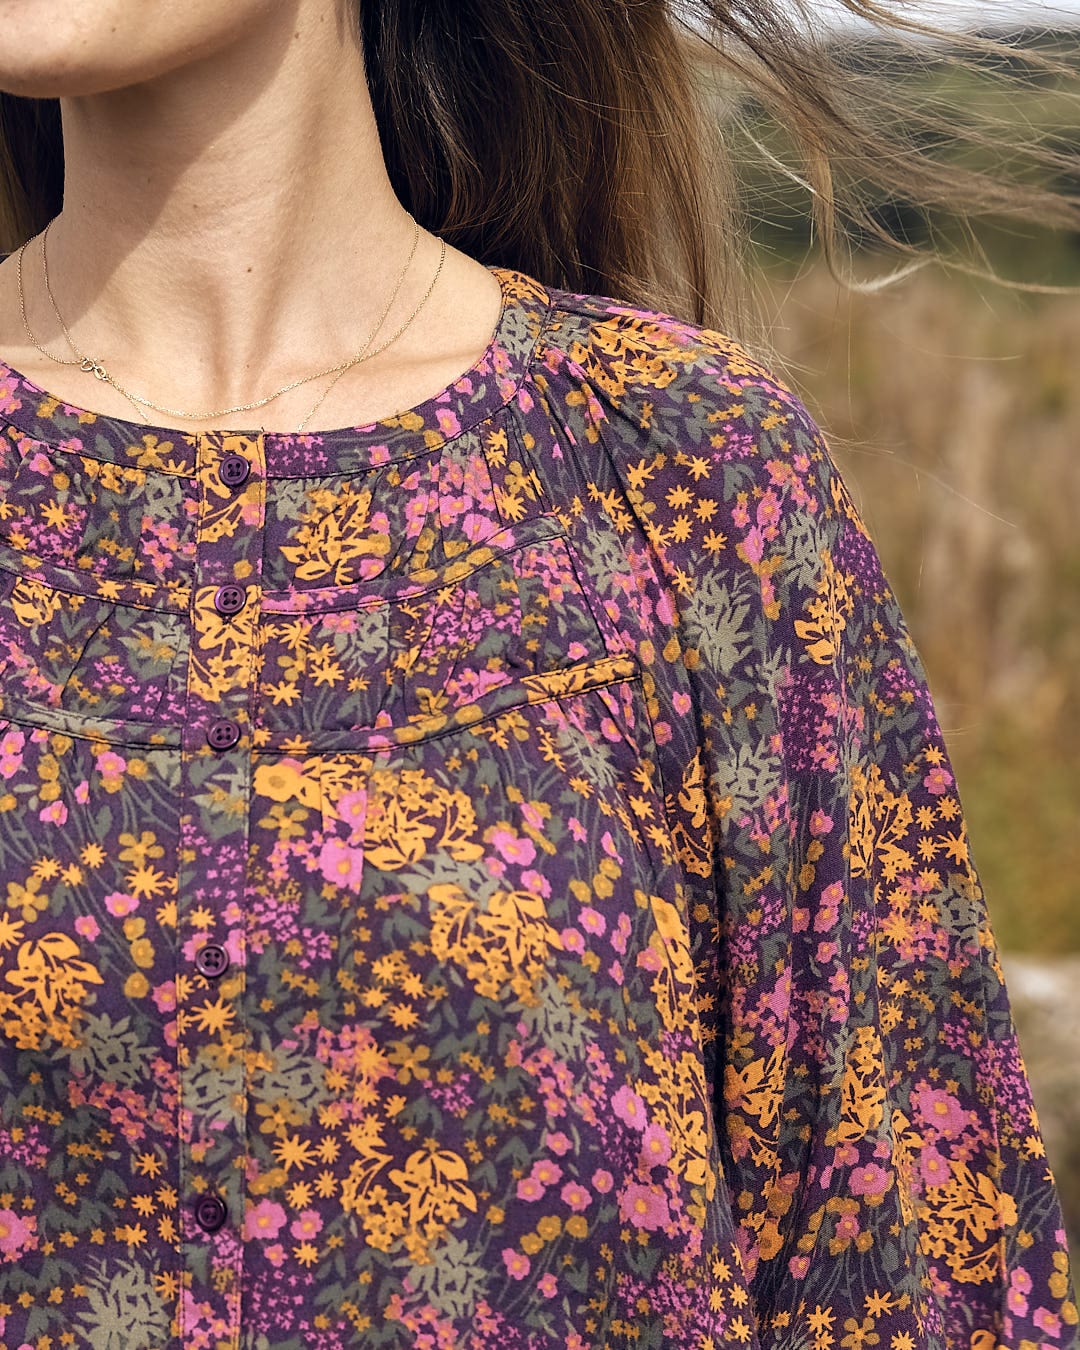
[[492, 878]]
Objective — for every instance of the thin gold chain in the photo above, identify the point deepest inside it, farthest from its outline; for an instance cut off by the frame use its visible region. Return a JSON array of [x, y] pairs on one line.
[[97, 368], [342, 369]]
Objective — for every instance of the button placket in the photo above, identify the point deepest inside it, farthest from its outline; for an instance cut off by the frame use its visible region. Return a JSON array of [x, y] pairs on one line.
[[216, 768]]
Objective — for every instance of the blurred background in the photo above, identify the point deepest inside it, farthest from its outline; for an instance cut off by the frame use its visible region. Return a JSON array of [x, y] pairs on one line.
[[953, 407]]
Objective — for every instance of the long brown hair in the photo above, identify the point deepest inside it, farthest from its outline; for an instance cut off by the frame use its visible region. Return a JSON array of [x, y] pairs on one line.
[[596, 145]]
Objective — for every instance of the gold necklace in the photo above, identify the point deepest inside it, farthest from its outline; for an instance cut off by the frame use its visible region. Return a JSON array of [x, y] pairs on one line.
[[97, 368]]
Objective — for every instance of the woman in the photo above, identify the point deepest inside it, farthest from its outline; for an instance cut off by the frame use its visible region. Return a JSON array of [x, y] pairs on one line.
[[487, 874]]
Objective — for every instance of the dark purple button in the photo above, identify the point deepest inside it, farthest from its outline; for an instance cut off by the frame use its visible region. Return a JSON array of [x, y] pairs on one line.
[[229, 599], [211, 960], [222, 735], [234, 470], [210, 1212]]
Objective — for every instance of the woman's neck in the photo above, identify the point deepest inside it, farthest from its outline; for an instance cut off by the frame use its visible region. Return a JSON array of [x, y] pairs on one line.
[[228, 225]]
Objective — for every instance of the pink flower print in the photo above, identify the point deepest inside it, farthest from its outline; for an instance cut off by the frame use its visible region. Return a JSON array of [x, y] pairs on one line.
[[264, 1220], [547, 1285], [164, 996], [56, 813], [649, 959], [610, 730], [111, 766], [826, 951], [620, 933], [938, 780], [234, 945], [1047, 1321], [629, 1107], [8, 401], [681, 703], [558, 1142], [448, 421], [576, 828], [768, 511], [572, 941], [644, 1206], [592, 921], [352, 808], [872, 1181], [477, 527], [275, 1254], [820, 824], [608, 845], [119, 903], [575, 1196], [512, 847], [416, 512], [933, 1167], [1016, 1302], [602, 1180], [11, 747], [1021, 1280], [517, 1263], [939, 1110], [752, 548], [87, 926], [655, 1145], [342, 865], [17, 1235], [529, 1188], [532, 816], [546, 1172], [535, 883], [799, 1265], [306, 1225]]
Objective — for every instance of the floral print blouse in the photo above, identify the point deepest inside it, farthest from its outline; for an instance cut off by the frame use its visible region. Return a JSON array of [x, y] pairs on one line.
[[492, 878]]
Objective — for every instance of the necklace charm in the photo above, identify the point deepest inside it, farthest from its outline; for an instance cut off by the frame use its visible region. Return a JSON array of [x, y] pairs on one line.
[[94, 367], [89, 364]]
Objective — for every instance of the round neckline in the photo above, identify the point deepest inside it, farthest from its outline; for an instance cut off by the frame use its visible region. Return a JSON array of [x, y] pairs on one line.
[[472, 396]]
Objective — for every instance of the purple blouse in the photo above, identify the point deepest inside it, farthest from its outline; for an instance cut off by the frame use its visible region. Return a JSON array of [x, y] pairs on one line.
[[492, 878]]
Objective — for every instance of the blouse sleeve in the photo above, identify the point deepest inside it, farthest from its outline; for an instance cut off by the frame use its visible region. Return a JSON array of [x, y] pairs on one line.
[[875, 1122]]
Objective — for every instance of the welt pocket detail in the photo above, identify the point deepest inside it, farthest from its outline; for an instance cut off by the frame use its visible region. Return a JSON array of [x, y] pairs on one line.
[[78, 656], [391, 587], [431, 647]]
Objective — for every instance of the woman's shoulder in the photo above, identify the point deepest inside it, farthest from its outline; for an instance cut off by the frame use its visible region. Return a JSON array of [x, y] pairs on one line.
[[684, 417], [639, 355], [651, 382]]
